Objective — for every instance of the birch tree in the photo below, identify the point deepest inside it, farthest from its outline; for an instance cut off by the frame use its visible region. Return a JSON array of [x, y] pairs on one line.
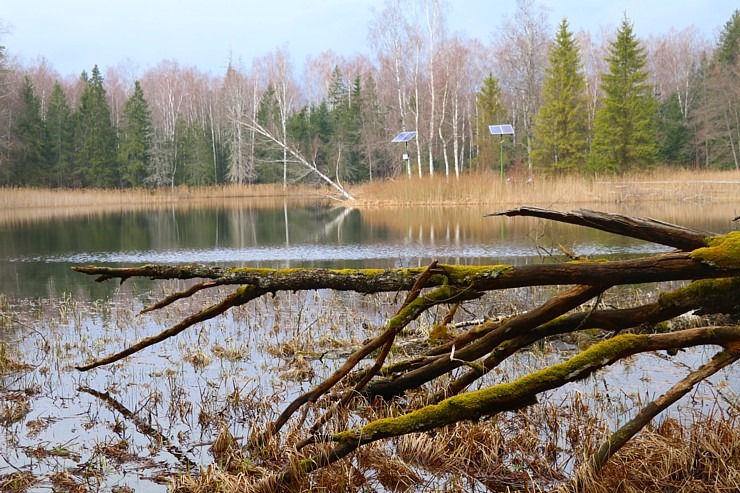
[[523, 45], [389, 37], [164, 85], [280, 74]]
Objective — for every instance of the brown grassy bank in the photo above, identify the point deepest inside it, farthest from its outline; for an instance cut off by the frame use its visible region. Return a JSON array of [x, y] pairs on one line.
[[29, 204], [663, 186], [479, 188], [487, 188], [29, 198]]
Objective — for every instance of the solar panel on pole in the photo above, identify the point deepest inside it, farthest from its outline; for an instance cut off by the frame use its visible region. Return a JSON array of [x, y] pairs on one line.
[[501, 130], [404, 137]]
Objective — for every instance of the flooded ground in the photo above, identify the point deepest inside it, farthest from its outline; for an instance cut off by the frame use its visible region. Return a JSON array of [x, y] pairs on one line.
[[131, 425]]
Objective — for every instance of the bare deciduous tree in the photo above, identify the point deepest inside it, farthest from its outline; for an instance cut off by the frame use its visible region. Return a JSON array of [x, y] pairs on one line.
[[522, 53]]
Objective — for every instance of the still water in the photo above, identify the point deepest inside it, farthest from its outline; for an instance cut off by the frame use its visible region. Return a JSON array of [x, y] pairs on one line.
[[36, 254], [238, 370]]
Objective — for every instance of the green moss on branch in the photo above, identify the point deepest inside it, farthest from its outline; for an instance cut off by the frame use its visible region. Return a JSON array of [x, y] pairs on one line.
[[721, 251]]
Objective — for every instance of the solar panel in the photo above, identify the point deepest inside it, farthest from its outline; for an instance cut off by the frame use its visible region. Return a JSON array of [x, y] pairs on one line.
[[501, 129], [404, 137]]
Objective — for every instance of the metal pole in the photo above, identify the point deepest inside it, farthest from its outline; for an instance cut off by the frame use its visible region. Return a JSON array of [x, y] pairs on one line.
[[408, 159], [501, 145]]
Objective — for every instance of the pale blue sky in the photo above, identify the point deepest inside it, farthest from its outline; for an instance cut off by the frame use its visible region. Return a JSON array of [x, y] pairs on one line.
[[76, 34]]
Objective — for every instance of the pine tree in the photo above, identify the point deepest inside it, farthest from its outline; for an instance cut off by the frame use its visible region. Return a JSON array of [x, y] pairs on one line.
[[624, 129], [560, 129], [30, 151], [95, 136], [490, 112], [60, 134], [135, 139], [728, 50]]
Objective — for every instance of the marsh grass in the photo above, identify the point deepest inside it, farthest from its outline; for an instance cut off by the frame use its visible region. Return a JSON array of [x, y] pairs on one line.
[[702, 456], [670, 185], [204, 393], [660, 185], [27, 204]]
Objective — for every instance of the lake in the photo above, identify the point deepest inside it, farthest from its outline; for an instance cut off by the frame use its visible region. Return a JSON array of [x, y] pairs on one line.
[[36, 254], [239, 370]]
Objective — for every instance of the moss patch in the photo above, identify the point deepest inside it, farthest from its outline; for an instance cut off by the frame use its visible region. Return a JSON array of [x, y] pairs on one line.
[[462, 275], [721, 251]]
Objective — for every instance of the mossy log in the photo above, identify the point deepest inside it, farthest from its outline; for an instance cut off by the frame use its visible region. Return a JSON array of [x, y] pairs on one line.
[[703, 297], [514, 395], [672, 266]]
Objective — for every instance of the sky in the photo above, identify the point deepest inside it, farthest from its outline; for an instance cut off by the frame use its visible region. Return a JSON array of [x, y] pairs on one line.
[[74, 35]]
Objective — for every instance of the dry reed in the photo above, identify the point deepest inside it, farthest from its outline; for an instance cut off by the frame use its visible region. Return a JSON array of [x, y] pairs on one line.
[[702, 457], [487, 188]]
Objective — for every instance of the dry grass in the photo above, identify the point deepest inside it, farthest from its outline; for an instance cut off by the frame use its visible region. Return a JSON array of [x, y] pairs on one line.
[[660, 188], [39, 197], [701, 458], [522, 451], [486, 188], [22, 204]]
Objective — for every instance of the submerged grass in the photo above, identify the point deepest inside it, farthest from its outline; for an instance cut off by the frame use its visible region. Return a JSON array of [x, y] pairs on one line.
[[184, 412]]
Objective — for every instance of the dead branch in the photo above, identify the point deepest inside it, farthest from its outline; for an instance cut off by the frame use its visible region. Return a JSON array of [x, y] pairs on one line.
[[646, 229], [551, 309], [413, 307], [141, 425], [652, 409], [241, 296], [657, 268], [509, 396]]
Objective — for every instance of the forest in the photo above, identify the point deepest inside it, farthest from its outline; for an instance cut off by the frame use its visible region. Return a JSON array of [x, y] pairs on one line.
[[580, 103]]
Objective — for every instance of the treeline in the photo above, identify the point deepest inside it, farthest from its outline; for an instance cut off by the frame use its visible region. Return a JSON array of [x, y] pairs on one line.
[[578, 106]]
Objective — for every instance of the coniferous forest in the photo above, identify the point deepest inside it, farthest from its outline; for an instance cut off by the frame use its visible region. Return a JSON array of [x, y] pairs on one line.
[[579, 104]]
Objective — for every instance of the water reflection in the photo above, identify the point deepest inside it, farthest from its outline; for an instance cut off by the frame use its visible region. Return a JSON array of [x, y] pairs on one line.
[[35, 256]]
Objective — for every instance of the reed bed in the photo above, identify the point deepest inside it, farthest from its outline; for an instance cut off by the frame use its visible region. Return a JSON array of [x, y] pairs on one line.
[[34, 204], [475, 188], [487, 188], [33, 198]]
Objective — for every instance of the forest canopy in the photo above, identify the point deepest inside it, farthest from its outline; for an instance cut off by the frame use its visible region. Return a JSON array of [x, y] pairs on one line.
[[673, 100]]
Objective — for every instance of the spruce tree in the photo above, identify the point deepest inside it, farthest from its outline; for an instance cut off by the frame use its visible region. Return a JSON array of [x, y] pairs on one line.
[[60, 138], [624, 130], [194, 154], [728, 49], [674, 139], [30, 152], [560, 129], [95, 136], [135, 137], [490, 112]]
